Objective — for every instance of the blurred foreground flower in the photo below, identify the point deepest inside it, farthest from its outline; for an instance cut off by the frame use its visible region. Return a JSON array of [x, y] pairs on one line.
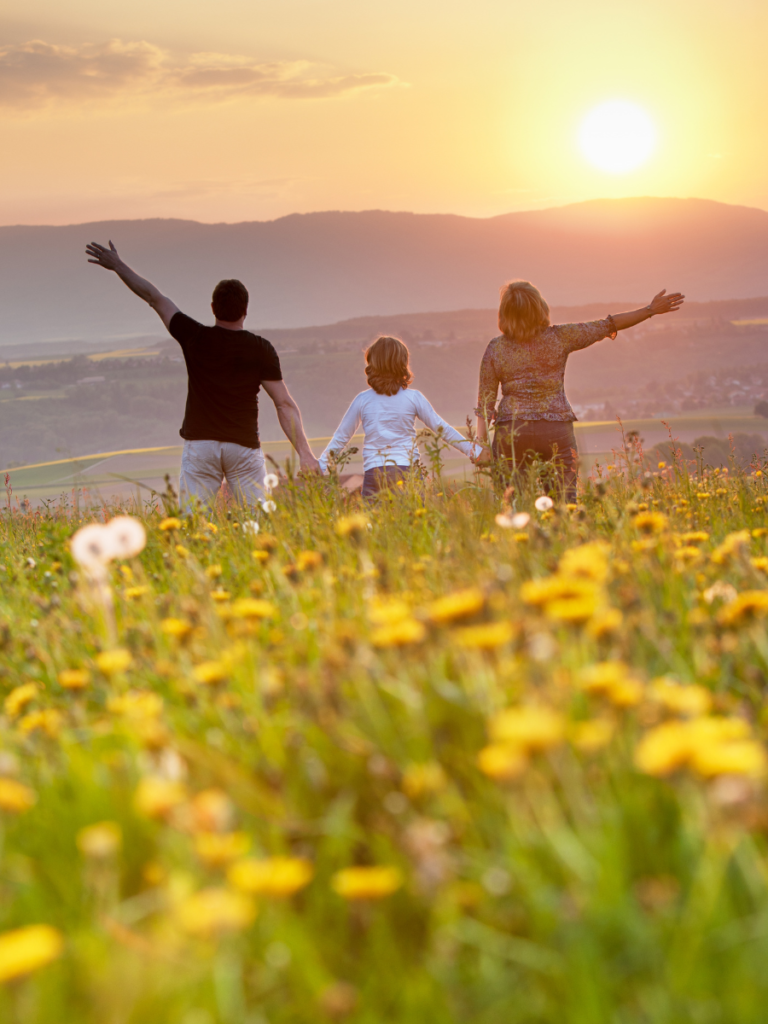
[[350, 525], [215, 911], [100, 841], [543, 503], [74, 678], [458, 605], [27, 949], [156, 797], [15, 797], [531, 729], [708, 746], [367, 883], [111, 663], [273, 876]]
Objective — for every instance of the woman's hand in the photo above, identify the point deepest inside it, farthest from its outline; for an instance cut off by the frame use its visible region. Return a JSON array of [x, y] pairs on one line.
[[483, 458], [663, 303]]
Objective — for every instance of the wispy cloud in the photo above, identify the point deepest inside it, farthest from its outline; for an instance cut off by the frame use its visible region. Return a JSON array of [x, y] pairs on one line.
[[38, 74]]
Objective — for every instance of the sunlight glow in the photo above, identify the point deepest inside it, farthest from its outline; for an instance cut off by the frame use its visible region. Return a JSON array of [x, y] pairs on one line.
[[617, 136]]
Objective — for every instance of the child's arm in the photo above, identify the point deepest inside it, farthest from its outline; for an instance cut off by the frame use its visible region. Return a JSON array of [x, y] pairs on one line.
[[344, 433], [430, 418]]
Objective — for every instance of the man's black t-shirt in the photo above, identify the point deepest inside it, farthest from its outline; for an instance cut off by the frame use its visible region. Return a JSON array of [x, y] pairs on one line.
[[225, 370]]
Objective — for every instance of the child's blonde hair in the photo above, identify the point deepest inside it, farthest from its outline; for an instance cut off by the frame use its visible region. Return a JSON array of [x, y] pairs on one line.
[[523, 313], [387, 367]]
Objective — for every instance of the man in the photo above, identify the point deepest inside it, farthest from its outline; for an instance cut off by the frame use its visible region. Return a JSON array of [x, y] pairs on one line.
[[226, 365]]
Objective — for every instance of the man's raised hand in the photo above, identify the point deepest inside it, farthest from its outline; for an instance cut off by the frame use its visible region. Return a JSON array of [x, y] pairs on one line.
[[663, 303], [103, 257]]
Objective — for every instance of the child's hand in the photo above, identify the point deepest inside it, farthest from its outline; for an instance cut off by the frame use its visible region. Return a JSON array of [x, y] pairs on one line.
[[483, 458]]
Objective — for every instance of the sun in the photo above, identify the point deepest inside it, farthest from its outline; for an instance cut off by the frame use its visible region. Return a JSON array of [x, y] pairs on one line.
[[617, 136]]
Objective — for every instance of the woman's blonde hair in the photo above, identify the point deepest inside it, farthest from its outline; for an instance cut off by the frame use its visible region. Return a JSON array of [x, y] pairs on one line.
[[387, 366], [523, 313]]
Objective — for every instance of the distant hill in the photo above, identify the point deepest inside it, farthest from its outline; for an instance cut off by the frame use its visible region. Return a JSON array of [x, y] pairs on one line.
[[325, 267]]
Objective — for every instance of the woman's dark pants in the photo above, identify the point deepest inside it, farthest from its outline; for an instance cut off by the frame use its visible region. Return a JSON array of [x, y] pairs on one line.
[[518, 444], [383, 478]]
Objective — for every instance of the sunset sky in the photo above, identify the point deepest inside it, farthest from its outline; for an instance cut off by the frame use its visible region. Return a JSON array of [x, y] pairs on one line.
[[243, 110]]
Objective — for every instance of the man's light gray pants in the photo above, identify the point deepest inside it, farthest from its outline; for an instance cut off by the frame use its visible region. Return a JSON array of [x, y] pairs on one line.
[[205, 463]]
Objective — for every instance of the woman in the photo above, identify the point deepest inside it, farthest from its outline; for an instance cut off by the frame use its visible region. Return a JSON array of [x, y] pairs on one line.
[[387, 411], [534, 418]]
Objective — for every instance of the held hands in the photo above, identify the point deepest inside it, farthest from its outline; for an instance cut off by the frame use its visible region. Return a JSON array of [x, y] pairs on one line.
[[483, 458], [663, 303], [103, 257], [309, 465]]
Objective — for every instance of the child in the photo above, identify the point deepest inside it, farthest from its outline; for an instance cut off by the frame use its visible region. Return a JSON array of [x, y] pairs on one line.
[[387, 410]]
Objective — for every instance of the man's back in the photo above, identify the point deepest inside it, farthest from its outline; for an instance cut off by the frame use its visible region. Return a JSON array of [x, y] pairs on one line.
[[225, 369]]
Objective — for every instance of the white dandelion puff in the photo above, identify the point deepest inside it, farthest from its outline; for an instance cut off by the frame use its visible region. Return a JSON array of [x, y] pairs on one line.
[[543, 503], [269, 506], [271, 481], [251, 526], [520, 520], [93, 546], [127, 535]]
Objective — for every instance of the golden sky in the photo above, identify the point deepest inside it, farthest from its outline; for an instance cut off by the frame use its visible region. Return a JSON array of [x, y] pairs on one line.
[[252, 109]]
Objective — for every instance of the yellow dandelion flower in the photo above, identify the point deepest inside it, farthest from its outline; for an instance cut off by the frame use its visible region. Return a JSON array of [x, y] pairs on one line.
[[703, 495], [730, 546], [588, 560], [113, 662], [664, 749], [210, 672], [422, 779], [251, 608], [18, 699], [592, 735], [760, 563], [399, 634], [502, 762], [611, 679], [350, 525], [687, 555], [211, 527], [746, 607], [181, 550], [694, 537], [260, 555], [605, 622], [385, 611], [486, 637], [99, 841], [760, 531], [25, 950], [216, 850], [213, 572], [458, 605], [367, 883], [741, 757], [689, 701], [529, 728], [171, 523], [306, 560], [15, 797], [138, 704], [215, 911], [133, 593], [650, 522], [156, 797], [48, 721], [175, 628], [271, 876], [212, 811]]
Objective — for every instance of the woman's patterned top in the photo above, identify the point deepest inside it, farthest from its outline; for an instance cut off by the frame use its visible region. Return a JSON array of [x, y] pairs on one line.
[[531, 372]]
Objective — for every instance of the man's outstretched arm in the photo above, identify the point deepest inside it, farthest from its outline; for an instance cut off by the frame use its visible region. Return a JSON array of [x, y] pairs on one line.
[[290, 420], [109, 260]]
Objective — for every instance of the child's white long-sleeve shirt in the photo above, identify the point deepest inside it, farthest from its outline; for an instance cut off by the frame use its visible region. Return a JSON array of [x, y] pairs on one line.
[[389, 428]]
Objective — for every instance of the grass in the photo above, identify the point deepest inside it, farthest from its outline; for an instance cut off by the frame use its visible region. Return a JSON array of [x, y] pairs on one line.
[[549, 735]]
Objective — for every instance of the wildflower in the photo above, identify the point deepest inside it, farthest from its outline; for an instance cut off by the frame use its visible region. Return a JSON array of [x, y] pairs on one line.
[[743, 757], [100, 841], [176, 628], [210, 672], [15, 797], [399, 634], [749, 605], [250, 526], [502, 762], [133, 592], [111, 663], [674, 745], [760, 563], [212, 811], [543, 503], [529, 728], [215, 911], [605, 622], [661, 465], [563, 598], [720, 590], [211, 527], [252, 608], [703, 495], [127, 536], [213, 572], [689, 701], [485, 637], [687, 555], [27, 949], [260, 556], [48, 721], [217, 850], [93, 547], [182, 551], [694, 537], [171, 523], [367, 883], [271, 481], [138, 704], [730, 546], [611, 679], [458, 605], [220, 595], [350, 525], [308, 560], [18, 699], [156, 797], [650, 522], [592, 735], [421, 779], [386, 611], [269, 506], [272, 876], [588, 560]]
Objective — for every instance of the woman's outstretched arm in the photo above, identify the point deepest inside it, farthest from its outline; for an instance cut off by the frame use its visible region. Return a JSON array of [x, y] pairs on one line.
[[661, 303], [343, 435]]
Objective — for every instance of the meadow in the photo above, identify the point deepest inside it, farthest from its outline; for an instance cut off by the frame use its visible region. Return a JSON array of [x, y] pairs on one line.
[[456, 756]]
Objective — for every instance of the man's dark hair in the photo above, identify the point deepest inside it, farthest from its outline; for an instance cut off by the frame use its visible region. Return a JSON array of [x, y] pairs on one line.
[[230, 300]]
